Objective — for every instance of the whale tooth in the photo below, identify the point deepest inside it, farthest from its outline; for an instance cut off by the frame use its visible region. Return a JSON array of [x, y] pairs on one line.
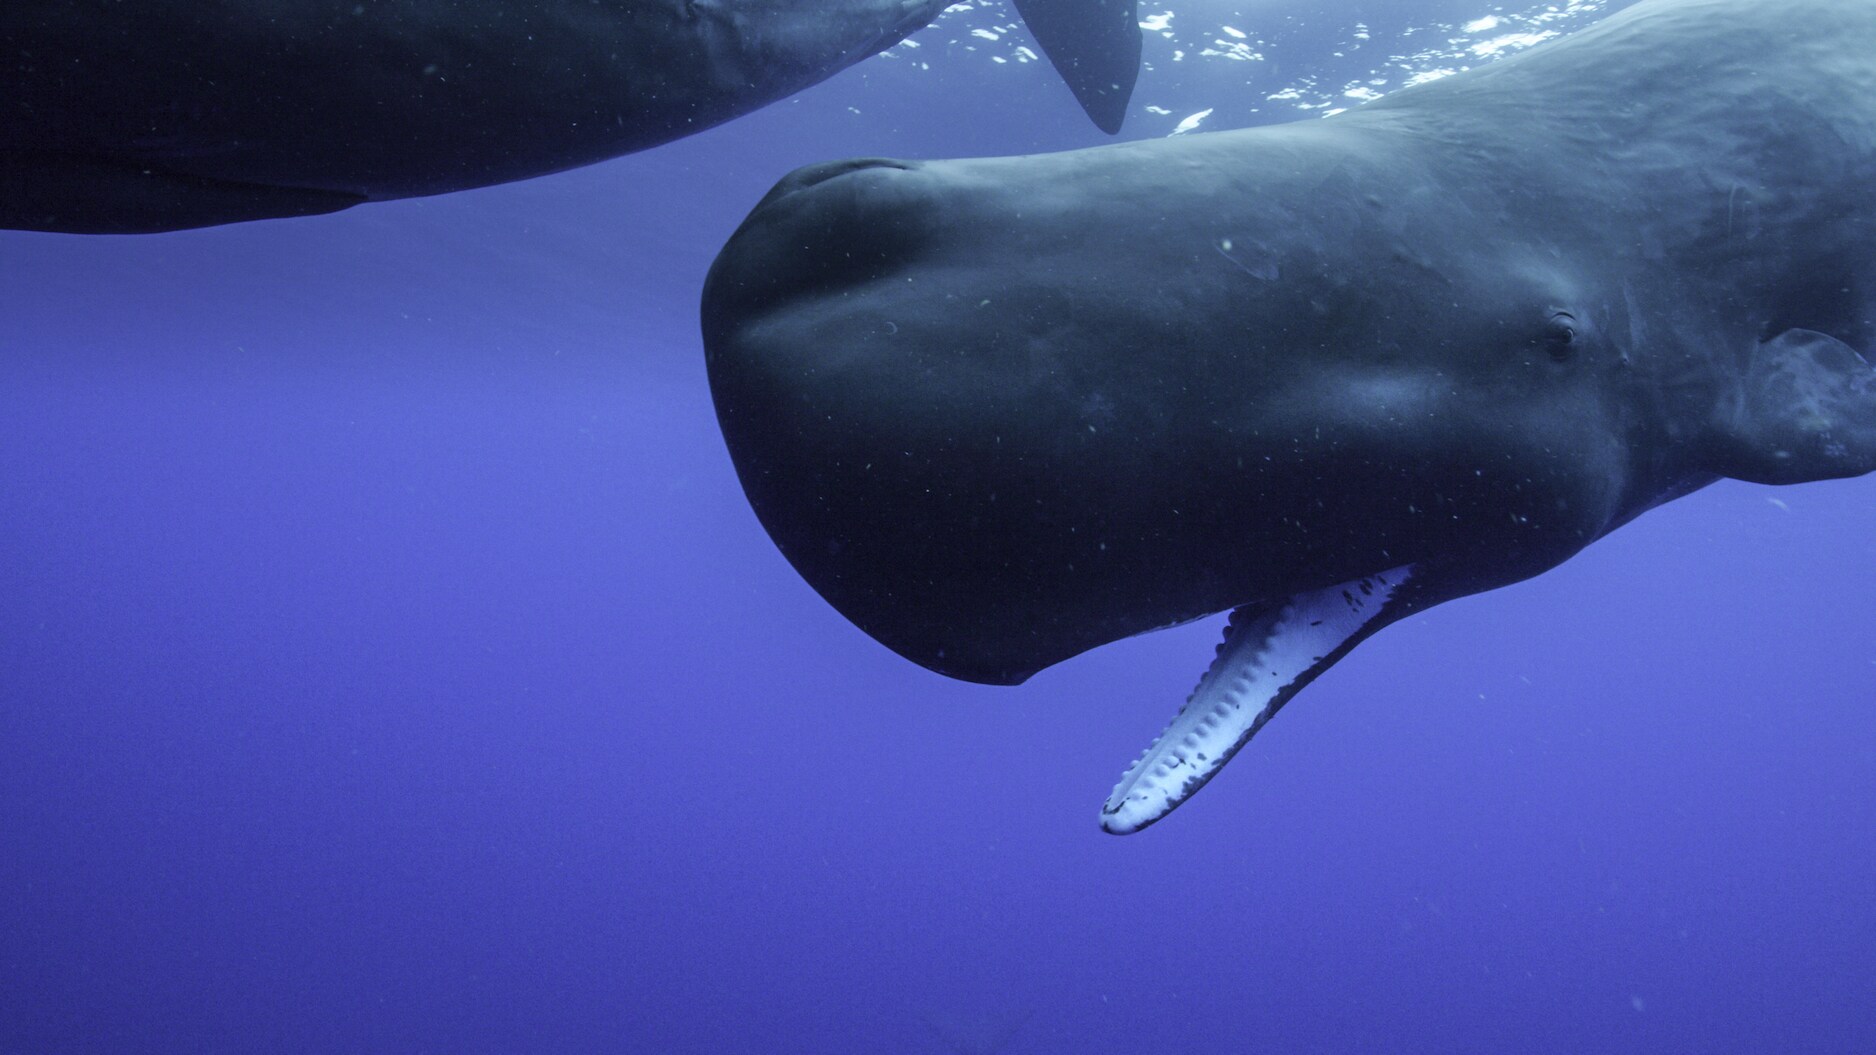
[[1268, 655]]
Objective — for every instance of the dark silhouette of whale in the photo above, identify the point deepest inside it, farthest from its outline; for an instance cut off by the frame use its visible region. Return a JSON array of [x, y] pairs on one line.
[[153, 115], [1325, 374]]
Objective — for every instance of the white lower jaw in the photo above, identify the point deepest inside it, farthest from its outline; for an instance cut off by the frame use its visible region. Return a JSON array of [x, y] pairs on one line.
[[1267, 656]]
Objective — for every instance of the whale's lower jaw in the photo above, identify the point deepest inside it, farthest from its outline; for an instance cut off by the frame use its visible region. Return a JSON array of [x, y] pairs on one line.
[[1268, 655]]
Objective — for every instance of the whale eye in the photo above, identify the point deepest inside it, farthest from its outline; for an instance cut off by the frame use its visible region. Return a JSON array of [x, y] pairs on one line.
[[1560, 335]]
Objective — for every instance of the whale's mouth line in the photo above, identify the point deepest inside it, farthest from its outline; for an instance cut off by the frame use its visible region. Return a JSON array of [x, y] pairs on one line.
[[50, 191]]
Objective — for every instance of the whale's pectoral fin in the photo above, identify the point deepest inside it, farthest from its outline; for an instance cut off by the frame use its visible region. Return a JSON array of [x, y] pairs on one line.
[[1806, 411], [1269, 654], [1095, 46]]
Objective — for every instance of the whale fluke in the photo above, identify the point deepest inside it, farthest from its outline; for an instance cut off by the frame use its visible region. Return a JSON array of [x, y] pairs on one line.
[[1095, 46]]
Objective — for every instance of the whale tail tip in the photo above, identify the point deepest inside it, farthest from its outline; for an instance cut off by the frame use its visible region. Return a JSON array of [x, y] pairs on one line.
[[1095, 46]]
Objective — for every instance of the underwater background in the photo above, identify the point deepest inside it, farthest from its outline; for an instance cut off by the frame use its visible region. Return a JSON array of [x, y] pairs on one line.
[[389, 662]]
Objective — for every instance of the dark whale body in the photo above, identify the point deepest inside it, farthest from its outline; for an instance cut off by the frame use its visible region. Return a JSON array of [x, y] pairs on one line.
[[1324, 375], [150, 115]]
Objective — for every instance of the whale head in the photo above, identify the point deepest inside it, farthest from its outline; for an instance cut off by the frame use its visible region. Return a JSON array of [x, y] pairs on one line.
[[1001, 411], [1323, 375]]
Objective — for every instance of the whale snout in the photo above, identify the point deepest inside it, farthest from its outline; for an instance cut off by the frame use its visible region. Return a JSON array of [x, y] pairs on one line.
[[822, 230]]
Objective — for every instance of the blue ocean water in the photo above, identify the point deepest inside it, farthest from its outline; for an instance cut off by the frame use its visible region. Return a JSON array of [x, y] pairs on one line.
[[389, 662]]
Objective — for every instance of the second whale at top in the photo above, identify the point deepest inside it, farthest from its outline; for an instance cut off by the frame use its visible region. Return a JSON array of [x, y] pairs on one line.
[[158, 115]]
